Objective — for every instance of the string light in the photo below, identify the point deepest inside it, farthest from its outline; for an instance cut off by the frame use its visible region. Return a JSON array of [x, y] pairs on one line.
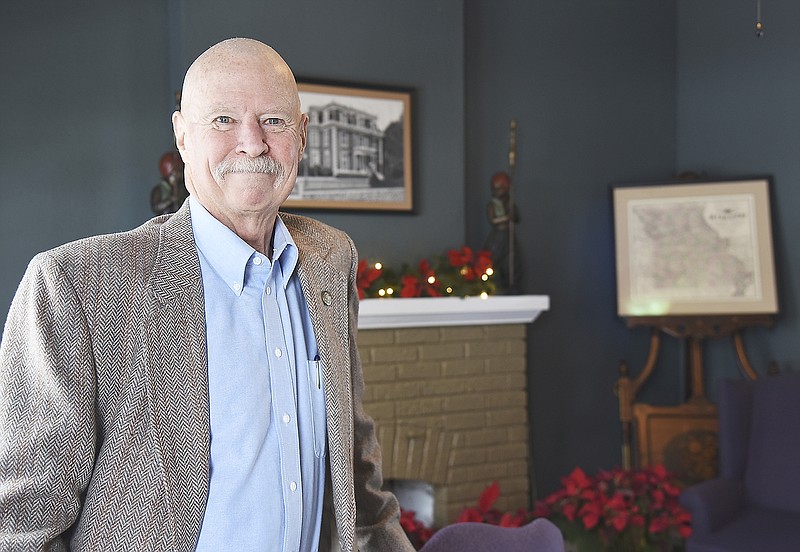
[[378, 266], [431, 280]]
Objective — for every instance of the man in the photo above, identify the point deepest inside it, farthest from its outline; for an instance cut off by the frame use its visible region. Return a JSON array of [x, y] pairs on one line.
[[194, 383]]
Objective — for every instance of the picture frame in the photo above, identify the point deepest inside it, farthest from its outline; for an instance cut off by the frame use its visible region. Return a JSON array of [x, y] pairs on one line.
[[695, 249], [359, 148]]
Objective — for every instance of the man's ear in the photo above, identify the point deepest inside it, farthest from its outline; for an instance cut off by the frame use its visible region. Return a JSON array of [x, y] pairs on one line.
[[303, 133], [179, 129]]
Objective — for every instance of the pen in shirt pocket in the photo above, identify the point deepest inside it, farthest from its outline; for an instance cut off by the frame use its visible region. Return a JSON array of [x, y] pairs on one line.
[[319, 372]]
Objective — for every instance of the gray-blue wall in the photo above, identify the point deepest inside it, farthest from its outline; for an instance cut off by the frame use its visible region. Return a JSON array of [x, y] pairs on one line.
[[603, 92], [592, 88], [739, 114]]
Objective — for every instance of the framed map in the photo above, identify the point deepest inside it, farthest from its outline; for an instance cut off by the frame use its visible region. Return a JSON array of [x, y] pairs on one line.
[[694, 249]]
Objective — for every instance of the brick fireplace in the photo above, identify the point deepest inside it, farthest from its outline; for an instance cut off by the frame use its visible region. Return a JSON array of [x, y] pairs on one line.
[[446, 384]]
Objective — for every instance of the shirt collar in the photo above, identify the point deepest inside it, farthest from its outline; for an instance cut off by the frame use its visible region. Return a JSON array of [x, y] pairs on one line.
[[228, 254]]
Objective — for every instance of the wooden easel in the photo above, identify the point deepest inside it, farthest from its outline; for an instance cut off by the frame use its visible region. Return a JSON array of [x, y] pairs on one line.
[[696, 329]]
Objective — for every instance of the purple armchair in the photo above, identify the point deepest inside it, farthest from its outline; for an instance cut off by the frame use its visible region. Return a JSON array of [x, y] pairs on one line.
[[754, 504], [540, 535]]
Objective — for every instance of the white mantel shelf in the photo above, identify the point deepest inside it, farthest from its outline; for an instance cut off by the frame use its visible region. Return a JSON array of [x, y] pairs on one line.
[[419, 312]]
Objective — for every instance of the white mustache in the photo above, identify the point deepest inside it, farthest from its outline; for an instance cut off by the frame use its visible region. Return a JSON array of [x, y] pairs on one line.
[[259, 165]]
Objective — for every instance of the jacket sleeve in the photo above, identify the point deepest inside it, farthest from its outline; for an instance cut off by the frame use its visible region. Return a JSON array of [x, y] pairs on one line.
[[378, 512], [47, 430]]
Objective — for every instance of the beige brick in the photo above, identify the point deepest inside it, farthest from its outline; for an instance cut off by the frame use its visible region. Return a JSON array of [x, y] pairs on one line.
[[417, 335], [466, 421], [379, 373], [464, 333], [369, 395], [516, 348], [449, 387], [387, 391], [506, 331], [419, 370], [512, 503], [463, 367], [518, 434], [517, 468], [481, 384], [509, 382], [456, 475], [466, 492], [407, 353], [489, 470], [441, 351], [486, 349], [500, 399], [506, 417], [381, 410], [468, 456], [418, 407], [485, 438], [464, 403], [375, 337], [506, 364], [513, 485], [511, 451]]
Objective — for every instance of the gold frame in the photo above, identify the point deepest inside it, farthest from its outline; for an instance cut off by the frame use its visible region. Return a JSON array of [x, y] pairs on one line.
[[740, 207], [328, 191]]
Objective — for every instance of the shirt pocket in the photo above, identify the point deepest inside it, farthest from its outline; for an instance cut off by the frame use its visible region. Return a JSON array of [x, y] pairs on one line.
[[316, 393]]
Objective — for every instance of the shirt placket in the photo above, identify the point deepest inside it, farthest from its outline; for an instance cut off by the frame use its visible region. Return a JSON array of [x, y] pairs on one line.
[[284, 406]]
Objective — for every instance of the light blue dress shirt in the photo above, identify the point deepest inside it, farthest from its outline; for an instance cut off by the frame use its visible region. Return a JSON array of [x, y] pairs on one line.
[[265, 392]]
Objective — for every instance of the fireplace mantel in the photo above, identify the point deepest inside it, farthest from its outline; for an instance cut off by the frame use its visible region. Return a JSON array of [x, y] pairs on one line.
[[418, 312]]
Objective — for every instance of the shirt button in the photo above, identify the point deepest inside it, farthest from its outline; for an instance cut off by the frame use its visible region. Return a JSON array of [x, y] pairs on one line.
[[268, 291], [257, 260], [278, 353], [293, 486], [237, 286], [286, 418]]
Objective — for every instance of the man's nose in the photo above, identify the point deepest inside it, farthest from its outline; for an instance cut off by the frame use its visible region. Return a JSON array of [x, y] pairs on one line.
[[252, 139]]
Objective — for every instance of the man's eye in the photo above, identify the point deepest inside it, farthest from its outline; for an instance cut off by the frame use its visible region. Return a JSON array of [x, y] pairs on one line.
[[274, 122], [223, 120]]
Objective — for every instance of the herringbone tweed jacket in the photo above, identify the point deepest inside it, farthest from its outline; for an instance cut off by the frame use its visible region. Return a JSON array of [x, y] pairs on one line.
[[104, 415]]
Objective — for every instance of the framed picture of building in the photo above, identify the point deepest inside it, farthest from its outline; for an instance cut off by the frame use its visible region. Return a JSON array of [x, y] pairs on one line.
[[358, 154], [692, 249]]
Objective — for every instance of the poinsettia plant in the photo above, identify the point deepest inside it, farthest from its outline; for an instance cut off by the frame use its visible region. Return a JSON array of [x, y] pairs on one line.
[[416, 531], [459, 272], [620, 510], [616, 510]]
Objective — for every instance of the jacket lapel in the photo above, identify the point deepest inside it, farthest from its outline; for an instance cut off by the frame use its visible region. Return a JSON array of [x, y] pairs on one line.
[[325, 289], [178, 376]]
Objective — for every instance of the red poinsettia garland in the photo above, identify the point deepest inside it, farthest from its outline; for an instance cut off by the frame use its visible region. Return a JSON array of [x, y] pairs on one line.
[[459, 273]]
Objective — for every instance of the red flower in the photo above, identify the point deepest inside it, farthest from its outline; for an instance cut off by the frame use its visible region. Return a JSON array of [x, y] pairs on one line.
[[460, 257], [365, 277], [489, 497], [412, 287]]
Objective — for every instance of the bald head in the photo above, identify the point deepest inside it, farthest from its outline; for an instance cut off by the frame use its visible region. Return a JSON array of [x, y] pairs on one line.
[[228, 59], [241, 135]]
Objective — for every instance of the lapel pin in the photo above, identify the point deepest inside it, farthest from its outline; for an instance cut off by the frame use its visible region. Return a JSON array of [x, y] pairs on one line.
[[326, 298]]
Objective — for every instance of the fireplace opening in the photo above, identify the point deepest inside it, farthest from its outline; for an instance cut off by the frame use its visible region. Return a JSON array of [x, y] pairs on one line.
[[414, 495]]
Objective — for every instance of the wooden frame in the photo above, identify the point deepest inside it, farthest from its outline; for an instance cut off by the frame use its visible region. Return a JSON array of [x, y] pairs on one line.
[[694, 249], [358, 153]]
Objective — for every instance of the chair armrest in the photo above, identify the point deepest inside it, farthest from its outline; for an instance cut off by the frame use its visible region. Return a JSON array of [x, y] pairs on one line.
[[713, 503]]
